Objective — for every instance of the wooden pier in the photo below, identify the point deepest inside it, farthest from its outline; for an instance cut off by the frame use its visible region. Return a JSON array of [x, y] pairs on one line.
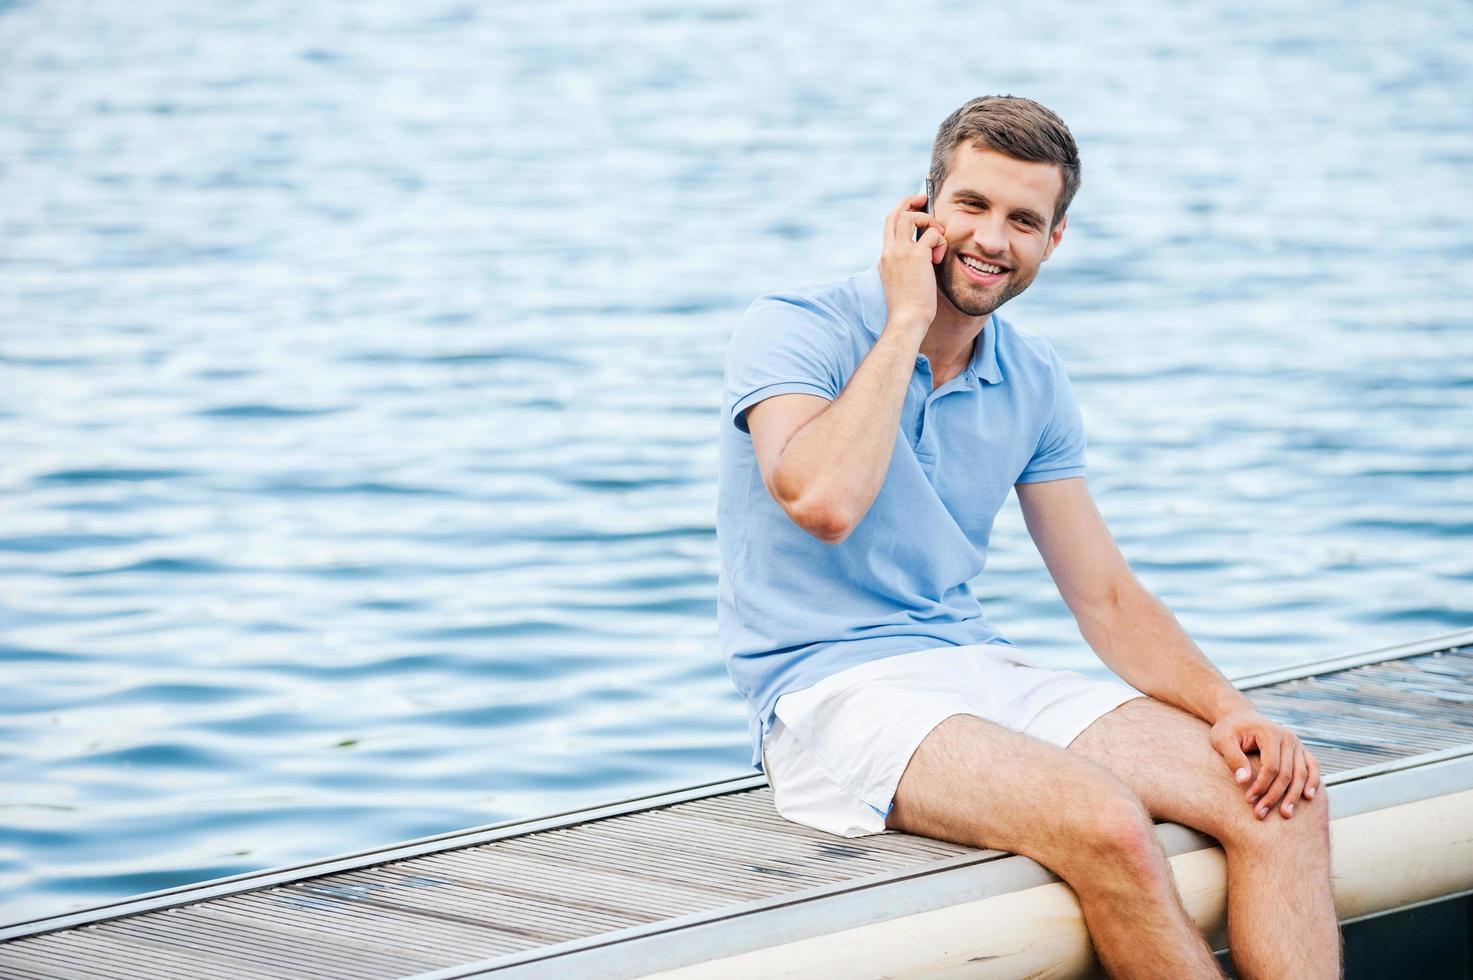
[[708, 881]]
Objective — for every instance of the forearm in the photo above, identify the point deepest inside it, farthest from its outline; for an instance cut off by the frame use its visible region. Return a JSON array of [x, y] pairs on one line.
[[833, 467], [1138, 637]]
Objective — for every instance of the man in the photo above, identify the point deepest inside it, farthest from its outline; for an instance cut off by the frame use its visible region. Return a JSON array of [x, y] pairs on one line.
[[874, 427]]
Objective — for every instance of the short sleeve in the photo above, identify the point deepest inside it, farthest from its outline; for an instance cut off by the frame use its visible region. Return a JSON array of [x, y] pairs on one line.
[[1060, 451], [781, 347]]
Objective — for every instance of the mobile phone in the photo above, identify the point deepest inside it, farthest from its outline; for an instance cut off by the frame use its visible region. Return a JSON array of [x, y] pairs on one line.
[[928, 190]]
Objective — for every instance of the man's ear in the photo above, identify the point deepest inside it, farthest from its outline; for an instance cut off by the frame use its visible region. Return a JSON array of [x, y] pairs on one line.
[[1055, 235]]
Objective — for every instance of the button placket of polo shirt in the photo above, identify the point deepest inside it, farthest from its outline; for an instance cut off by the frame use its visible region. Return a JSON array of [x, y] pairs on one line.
[[963, 382], [923, 426], [916, 431], [924, 454]]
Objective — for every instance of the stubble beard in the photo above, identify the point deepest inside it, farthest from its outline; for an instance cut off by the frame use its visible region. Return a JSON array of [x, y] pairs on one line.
[[974, 300]]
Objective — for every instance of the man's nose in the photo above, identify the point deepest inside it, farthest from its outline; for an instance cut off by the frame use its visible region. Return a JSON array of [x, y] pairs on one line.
[[991, 237]]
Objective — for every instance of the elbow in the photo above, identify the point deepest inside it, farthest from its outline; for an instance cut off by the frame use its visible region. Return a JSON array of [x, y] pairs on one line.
[[827, 523], [830, 529], [813, 509]]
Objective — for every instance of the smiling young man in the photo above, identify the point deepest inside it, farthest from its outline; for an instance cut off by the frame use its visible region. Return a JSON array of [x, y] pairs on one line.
[[874, 426]]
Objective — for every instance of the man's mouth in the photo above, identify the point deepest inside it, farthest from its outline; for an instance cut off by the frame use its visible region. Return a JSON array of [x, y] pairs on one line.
[[982, 272]]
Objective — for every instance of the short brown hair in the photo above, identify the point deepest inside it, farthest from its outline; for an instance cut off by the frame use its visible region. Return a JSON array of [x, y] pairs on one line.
[[1020, 128]]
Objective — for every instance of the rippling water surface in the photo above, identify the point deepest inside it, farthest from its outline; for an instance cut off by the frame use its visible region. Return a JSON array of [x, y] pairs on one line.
[[362, 371]]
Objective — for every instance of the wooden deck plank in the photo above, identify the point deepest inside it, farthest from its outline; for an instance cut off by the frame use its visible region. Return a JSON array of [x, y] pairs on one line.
[[380, 944], [403, 941], [1374, 732], [843, 849], [515, 932], [773, 847], [1377, 706], [349, 920], [51, 962], [505, 871], [25, 965], [1378, 696], [755, 809], [1406, 738], [229, 946], [598, 851], [778, 838], [746, 877], [494, 890], [550, 920], [93, 949]]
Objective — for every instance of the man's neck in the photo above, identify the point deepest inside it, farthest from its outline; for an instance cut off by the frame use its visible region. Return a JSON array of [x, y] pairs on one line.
[[951, 340]]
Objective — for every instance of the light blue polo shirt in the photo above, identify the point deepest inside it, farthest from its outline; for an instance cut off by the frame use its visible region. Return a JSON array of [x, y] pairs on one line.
[[791, 609]]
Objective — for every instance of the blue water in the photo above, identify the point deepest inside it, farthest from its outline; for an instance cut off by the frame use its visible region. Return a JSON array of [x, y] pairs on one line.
[[361, 375]]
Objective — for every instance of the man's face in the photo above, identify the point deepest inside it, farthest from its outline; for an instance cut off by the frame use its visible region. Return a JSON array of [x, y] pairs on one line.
[[996, 212]]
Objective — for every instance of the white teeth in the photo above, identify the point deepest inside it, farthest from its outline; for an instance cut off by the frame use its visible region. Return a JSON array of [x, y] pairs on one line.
[[981, 266]]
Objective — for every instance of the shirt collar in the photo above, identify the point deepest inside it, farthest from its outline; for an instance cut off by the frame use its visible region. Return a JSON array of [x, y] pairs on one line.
[[874, 311]]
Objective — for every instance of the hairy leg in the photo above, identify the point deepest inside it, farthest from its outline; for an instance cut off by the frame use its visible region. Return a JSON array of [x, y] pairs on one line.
[[974, 782], [1281, 911]]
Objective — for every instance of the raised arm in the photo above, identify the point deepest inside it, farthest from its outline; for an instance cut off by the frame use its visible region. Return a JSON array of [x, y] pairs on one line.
[[824, 462]]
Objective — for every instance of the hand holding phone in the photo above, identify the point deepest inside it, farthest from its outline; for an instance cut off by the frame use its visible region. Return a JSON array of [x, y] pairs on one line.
[[926, 190], [909, 280]]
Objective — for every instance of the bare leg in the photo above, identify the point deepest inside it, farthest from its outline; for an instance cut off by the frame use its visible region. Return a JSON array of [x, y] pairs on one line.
[[977, 783], [1281, 912]]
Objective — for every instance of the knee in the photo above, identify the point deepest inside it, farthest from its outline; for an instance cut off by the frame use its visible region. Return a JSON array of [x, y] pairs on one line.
[[1117, 833], [1122, 829], [1305, 835]]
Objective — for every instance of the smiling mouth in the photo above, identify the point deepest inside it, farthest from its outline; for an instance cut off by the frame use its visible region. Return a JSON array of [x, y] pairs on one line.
[[981, 269]]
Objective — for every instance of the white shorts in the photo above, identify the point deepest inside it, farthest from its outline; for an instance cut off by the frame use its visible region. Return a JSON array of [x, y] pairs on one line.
[[836, 750]]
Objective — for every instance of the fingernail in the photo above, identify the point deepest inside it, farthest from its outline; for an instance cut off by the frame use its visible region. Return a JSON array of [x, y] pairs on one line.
[[1289, 810], [1262, 812], [1253, 798], [1242, 774], [1309, 793]]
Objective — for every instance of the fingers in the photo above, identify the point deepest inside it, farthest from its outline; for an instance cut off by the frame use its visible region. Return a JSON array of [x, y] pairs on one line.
[[1280, 785], [1237, 761], [917, 228], [911, 220], [1287, 771], [1268, 769], [932, 238], [890, 220], [911, 235], [907, 205], [1296, 785], [1268, 762]]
